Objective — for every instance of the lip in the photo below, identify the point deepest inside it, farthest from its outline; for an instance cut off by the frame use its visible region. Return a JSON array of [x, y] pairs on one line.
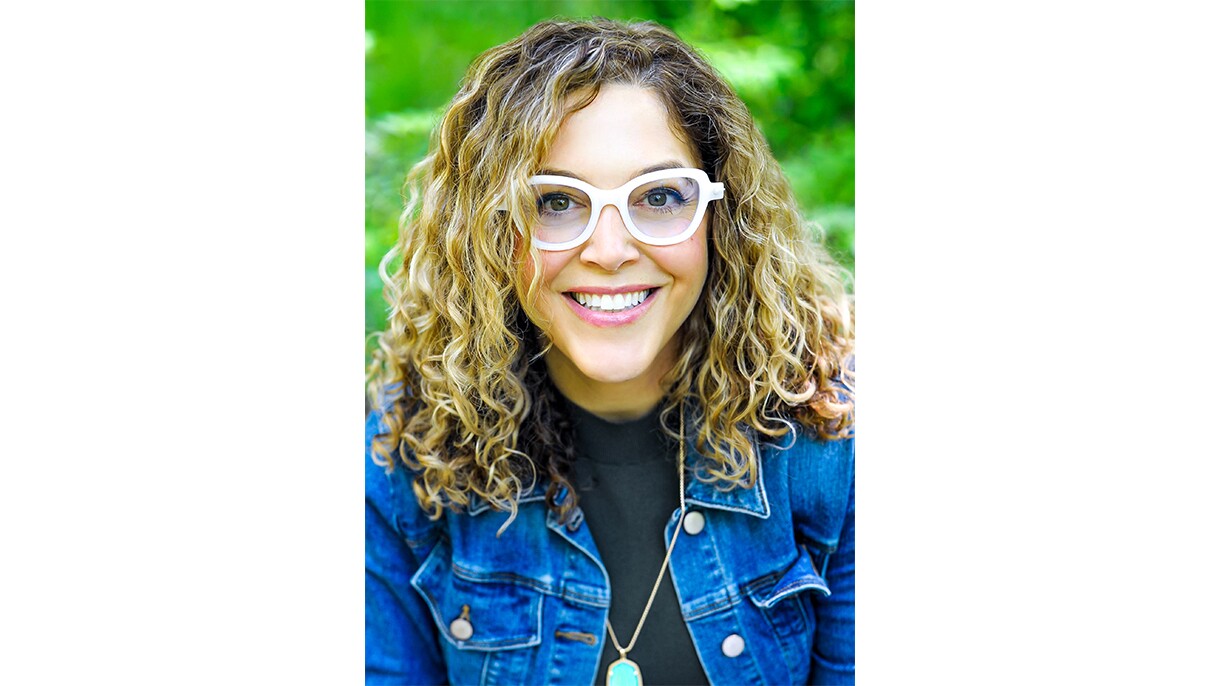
[[611, 319], [602, 290]]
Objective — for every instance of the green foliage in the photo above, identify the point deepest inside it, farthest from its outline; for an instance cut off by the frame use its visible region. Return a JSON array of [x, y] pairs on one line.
[[793, 63]]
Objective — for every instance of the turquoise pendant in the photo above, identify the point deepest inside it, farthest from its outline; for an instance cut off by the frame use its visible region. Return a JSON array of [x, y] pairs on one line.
[[623, 672]]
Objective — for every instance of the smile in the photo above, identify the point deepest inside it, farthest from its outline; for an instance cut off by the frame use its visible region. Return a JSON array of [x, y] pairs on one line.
[[617, 302]]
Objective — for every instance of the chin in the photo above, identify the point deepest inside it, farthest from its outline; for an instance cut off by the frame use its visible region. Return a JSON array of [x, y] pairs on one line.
[[603, 370]]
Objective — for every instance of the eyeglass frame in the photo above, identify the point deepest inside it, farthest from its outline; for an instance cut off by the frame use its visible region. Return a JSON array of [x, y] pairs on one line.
[[599, 198]]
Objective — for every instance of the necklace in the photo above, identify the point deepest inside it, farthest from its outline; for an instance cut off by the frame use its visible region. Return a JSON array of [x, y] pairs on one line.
[[624, 672]]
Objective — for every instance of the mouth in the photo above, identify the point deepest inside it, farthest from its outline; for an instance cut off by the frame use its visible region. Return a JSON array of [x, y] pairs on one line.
[[606, 302]]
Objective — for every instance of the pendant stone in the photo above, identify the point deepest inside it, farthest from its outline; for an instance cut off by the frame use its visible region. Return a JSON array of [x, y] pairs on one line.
[[623, 672]]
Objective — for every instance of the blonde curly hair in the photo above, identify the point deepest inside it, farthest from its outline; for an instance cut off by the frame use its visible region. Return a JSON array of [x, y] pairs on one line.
[[466, 401]]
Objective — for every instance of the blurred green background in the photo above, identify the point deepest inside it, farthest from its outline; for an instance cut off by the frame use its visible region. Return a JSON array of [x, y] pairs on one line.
[[793, 62]]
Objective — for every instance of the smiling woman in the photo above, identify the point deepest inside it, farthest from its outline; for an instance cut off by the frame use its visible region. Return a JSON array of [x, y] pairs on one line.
[[609, 328]]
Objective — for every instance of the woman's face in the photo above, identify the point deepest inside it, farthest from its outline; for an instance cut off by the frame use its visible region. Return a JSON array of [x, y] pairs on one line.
[[612, 362]]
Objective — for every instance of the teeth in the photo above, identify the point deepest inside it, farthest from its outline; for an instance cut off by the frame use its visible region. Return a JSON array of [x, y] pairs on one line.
[[611, 303]]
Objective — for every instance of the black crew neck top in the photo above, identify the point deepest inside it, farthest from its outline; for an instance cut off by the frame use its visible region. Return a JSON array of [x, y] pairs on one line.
[[626, 475]]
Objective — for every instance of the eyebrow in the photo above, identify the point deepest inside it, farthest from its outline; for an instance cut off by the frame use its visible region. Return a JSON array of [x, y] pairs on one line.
[[667, 164]]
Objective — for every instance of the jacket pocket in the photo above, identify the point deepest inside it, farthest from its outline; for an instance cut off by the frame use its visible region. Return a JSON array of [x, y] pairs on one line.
[[799, 577], [500, 615], [785, 599], [487, 621]]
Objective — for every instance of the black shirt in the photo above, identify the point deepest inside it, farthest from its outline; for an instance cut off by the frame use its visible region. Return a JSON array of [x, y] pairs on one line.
[[627, 477]]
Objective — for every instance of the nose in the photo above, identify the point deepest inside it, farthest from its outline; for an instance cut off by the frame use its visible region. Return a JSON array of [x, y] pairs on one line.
[[611, 246]]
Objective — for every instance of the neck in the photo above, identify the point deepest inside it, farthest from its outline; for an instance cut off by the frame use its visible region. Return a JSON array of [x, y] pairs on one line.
[[617, 401]]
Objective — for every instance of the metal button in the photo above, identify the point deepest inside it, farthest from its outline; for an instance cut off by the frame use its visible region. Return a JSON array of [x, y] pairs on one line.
[[461, 629], [693, 522], [733, 645]]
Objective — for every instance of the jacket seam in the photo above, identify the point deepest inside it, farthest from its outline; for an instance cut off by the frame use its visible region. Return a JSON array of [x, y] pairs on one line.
[[467, 574], [710, 607]]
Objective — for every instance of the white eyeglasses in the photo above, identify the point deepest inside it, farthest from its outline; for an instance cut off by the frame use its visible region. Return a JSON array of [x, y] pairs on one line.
[[659, 208]]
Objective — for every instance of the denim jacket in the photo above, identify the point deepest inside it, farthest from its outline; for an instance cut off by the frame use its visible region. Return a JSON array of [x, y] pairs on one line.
[[766, 585]]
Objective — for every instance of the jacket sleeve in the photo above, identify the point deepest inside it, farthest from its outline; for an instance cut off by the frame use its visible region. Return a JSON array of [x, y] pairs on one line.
[[834, 648], [401, 646]]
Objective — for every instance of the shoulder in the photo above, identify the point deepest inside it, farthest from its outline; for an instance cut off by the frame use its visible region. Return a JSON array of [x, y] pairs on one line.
[[818, 477], [388, 492], [810, 460], [817, 460]]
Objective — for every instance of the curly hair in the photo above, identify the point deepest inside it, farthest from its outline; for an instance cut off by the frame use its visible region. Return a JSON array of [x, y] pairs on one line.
[[466, 404]]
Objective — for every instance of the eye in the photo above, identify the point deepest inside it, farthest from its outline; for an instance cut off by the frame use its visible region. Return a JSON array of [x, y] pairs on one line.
[[662, 199], [555, 202], [657, 198]]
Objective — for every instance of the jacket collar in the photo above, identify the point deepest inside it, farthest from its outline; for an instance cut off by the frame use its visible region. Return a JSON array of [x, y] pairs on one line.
[[478, 504], [751, 501]]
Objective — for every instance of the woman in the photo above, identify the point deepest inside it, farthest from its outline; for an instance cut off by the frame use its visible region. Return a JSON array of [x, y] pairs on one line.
[[602, 276]]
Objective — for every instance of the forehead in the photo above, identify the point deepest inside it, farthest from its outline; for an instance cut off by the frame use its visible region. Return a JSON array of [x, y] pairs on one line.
[[624, 130]]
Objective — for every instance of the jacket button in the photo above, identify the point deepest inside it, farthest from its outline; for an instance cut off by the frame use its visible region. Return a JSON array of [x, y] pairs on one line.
[[733, 645], [693, 522], [461, 629]]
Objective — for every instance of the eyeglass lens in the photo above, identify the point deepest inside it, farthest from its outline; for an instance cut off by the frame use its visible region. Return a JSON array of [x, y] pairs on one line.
[[660, 208]]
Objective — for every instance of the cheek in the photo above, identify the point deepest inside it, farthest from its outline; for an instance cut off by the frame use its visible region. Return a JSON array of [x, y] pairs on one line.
[[549, 266], [699, 246], [690, 264], [550, 263]]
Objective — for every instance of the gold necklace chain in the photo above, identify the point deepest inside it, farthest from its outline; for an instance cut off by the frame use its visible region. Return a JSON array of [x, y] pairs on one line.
[[668, 551]]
